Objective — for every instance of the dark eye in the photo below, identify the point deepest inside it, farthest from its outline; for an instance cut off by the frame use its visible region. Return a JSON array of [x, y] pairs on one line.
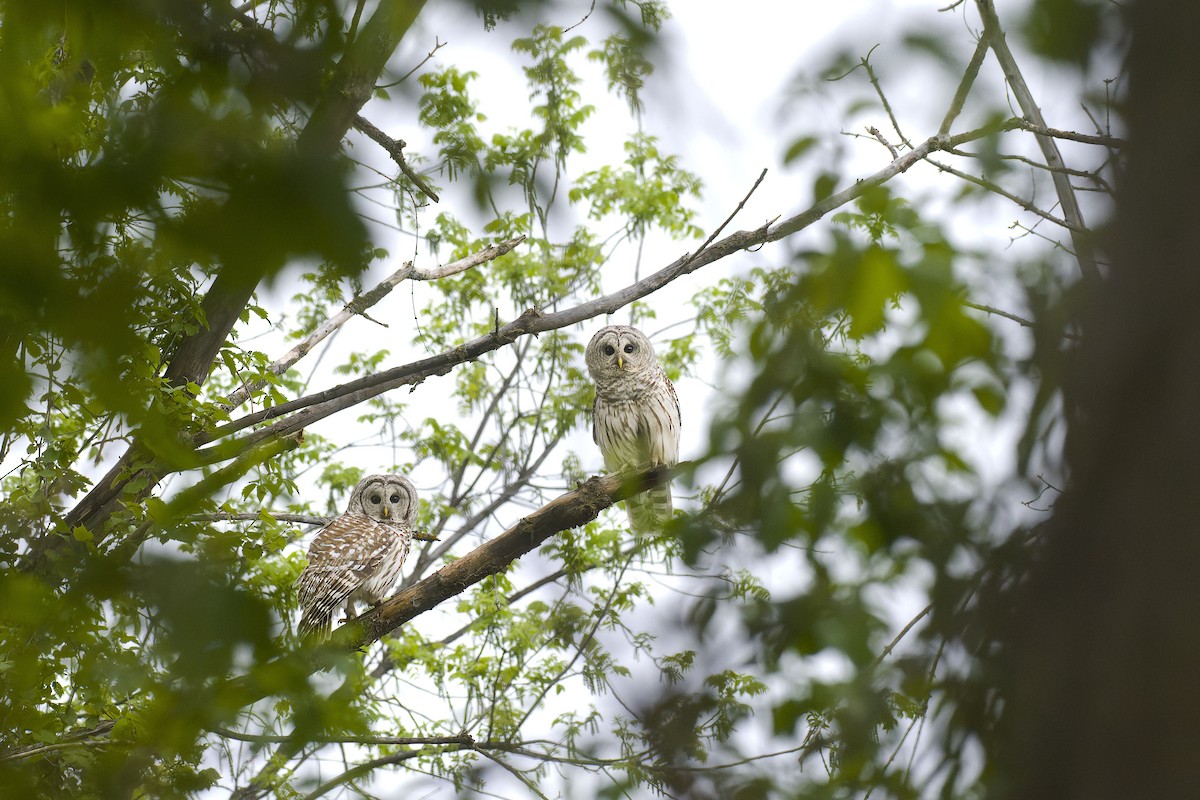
[[375, 499], [629, 348], [609, 350], [395, 498]]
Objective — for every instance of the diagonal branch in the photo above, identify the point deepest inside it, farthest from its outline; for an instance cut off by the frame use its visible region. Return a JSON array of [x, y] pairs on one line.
[[1062, 182], [395, 149], [297, 414], [968, 80], [995, 189], [567, 511], [362, 302]]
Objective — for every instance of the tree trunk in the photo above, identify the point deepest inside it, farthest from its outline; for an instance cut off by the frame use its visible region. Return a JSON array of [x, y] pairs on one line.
[[1106, 655]]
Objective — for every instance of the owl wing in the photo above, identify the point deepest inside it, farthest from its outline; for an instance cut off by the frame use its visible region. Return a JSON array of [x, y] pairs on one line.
[[343, 556], [660, 421], [596, 418]]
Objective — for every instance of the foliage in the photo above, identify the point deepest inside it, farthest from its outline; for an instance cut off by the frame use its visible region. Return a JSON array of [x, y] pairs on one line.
[[171, 218]]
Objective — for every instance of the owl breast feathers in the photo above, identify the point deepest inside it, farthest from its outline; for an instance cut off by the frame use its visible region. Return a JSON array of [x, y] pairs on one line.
[[635, 418], [357, 557]]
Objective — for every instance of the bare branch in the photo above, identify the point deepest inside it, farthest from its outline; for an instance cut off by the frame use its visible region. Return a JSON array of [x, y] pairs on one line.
[[438, 44], [464, 740], [564, 512], [1085, 138], [995, 189], [866, 63], [250, 516], [968, 80], [362, 302], [990, 310], [878, 135], [1062, 182], [395, 148]]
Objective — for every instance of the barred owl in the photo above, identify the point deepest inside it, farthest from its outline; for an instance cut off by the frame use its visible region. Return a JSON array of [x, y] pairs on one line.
[[358, 555], [635, 419]]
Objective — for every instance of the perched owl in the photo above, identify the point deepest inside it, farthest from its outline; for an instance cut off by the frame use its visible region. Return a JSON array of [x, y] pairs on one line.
[[358, 555], [635, 419]]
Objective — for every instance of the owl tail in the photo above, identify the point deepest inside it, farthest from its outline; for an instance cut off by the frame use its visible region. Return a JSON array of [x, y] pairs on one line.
[[650, 510], [316, 625]]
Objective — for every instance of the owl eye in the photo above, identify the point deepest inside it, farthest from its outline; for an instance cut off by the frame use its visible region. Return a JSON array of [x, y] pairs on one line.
[[395, 498], [629, 348], [609, 350], [375, 498]]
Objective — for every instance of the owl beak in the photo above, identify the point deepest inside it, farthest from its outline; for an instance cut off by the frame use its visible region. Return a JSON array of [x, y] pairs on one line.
[[386, 511], [620, 362]]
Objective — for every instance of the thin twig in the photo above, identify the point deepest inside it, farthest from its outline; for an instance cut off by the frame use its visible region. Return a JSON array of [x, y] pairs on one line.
[[1007, 315], [438, 44], [253, 516], [995, 189], [729, 219], [878, 135], [964, 86], [866, 63], [903, 632]]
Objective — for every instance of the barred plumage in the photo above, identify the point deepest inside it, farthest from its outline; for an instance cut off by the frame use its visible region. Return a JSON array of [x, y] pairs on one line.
[[635, 418], [357, 557]]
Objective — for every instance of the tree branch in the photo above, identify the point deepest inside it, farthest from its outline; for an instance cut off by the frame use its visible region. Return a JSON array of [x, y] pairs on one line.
[[362, 302], [567, 511], [1084, 138], [1062, 183], [395, 149], [968, 80], [994, 189]]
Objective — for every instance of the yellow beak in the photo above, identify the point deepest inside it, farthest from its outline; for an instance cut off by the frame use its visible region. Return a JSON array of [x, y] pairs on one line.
[[620, 362], [386, 511]]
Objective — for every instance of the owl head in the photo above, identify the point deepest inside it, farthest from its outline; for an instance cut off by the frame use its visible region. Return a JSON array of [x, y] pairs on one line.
[[617, 350], [390, 498]]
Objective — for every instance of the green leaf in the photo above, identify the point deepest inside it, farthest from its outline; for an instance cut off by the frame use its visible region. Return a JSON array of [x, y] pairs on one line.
[[799, 147]]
